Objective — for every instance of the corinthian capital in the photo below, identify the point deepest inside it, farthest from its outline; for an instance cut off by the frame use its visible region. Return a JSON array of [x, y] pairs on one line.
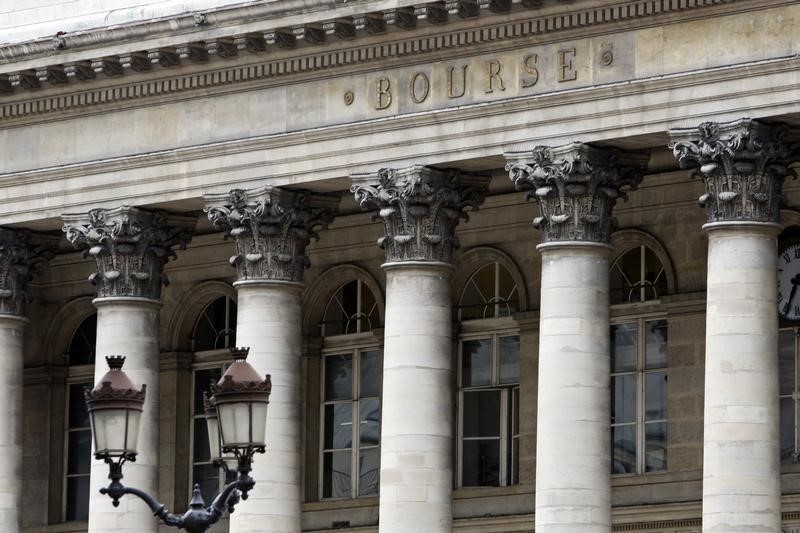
[[576, 186], [271, 228], [420, 208], [20, 254], [742, 163], [130, 246]]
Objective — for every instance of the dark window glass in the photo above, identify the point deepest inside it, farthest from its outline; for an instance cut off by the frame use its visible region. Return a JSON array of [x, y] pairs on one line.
[[787, 430], [786, 358], [655, 396], [202, 451], [81, 347], [490, 293], [369, 422], [207, 476], [509, 359], [352, 309], [637, 276], [79, 454], [623, 399], [216, 326], [655, 446], [476, 365], [78, 414], [369, 469], [77, 499], [79, 458], [339, 377], [202, 383], [481, 410], [481, 463], [336, 474], [370, 374], [624, 446], [623, 347], [655, 344], [338, 426]]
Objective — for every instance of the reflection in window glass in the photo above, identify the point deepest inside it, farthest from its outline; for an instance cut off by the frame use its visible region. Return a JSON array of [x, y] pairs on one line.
[[351, 424], [639, 396], [476, 365]]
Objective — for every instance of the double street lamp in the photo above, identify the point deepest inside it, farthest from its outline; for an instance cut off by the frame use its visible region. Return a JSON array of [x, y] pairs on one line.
[[236, 416]]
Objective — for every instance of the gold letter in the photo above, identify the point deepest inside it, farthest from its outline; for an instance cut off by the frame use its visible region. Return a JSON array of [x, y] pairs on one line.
[[493, 72], [450, 87], [529, 64], [384, 94], [426, 87], [565, 70]]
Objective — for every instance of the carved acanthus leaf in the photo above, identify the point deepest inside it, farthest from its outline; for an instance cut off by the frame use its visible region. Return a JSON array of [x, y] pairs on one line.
[[130, 246], [271, 228], [420, 208], [576, 187], [743, 165], [20, 255]]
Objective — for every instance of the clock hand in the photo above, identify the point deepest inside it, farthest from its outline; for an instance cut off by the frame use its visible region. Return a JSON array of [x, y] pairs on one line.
[[795, 281]]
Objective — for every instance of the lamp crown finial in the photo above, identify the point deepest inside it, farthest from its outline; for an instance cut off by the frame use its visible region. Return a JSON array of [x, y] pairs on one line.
[[115, 362], [240, 354]]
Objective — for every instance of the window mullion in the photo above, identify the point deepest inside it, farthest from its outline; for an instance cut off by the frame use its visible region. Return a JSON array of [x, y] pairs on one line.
[[356, 444], [504, 429], [640, 395]]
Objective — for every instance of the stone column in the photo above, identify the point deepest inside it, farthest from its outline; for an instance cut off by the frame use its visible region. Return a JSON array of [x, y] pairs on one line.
[[130, 247], [271, 228], [743, 165], [420, 208], [18, 256], [576, 187]]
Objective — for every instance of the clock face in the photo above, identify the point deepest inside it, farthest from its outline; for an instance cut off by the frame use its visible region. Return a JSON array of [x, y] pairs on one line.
[[789, 282]]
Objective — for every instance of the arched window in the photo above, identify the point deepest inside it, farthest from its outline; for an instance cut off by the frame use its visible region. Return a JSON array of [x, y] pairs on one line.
[[352, 309], [351, 394], [488, 377], [490, 293], [214, 329], [80, 358], [637, 275]]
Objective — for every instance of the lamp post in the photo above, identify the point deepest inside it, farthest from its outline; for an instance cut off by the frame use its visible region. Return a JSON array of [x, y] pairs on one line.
[[236, 417]]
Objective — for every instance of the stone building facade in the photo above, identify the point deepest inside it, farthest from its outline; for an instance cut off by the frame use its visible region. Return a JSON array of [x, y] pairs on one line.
[[462, 236]]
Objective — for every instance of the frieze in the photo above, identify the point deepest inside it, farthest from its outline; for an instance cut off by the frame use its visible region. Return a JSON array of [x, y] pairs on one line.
[[130, 247], [743, 165], [20, 255], [576, 187], [271, 228], [420, 208], [313, 61]]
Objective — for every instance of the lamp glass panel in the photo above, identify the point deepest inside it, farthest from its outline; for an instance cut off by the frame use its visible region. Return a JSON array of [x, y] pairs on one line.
[[109, 429], [134, 418], [212, 430], [259, 423], [234, 422]]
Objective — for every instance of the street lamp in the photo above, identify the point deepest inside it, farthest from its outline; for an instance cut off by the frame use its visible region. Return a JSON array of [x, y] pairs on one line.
[[237, 411]]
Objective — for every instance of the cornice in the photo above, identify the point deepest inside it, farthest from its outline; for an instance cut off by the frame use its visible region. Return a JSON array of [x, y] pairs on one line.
[[301, 49]]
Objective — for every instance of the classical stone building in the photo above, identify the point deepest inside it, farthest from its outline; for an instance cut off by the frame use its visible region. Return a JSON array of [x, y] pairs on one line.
[[462, 236]]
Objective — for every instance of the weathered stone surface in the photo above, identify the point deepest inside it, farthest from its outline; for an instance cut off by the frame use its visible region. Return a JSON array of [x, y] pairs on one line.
[[131, 247], [19, 257], [271, 228], [420, 208]]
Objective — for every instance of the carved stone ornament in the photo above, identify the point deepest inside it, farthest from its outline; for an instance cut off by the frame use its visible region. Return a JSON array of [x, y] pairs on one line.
[[420, 208], [20, 255], [271, 228], [743, 164], [130, 246], [576, 186]]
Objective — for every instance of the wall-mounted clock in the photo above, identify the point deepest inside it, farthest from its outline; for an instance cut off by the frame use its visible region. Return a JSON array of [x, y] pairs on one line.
[[789, 280]]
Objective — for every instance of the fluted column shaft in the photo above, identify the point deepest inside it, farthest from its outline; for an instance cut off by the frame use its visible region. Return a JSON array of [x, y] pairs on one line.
[[742, 164], [576, 187], [271, 228], [130, 247], [420, 208]]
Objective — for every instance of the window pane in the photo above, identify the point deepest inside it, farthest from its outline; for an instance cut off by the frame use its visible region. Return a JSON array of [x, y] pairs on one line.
[[481, 463], [623, 347], [508, 292], [655, 396], [786, 360], [338, 426], [81, 347], [336, 475], [370, 422], [202, 383], [370, 377], [79, 447], [78, 415], [655, 446], [77, 498], [481, 413], [207, 476], [369, 310], [656, 344], [339, 377], [623, 440], [787, 430], [369, 470], [509, 359], [476, 363], [515, 462], [515, 411], [623, 399], [202, 452], [472, 303]]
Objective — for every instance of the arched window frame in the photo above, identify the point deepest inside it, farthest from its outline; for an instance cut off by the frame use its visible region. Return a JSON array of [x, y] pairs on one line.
[[645, 324], [499, 333], [358, 346]]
